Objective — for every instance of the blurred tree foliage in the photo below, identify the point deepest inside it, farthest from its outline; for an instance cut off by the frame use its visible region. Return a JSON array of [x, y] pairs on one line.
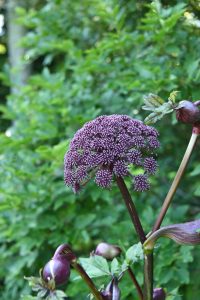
[[89, 58]]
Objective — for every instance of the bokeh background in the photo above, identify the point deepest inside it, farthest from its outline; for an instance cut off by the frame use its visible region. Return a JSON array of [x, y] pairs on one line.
[[63, 63]]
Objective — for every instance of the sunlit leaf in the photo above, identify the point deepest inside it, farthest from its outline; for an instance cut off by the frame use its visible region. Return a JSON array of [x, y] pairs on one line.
[[134, 253], [95, 266]]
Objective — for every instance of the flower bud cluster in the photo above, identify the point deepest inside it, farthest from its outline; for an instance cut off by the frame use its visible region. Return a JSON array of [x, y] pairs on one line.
[[106, 147]]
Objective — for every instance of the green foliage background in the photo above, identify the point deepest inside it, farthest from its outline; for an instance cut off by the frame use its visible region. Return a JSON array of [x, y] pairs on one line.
[[95, 57]]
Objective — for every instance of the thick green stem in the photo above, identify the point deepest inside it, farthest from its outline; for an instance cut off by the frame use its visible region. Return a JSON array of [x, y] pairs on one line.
[[131, 209], [134, 280], [148, 276], [176, 181], [87, 280]]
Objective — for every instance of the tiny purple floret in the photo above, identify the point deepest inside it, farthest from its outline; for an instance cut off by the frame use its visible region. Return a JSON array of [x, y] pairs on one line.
[[141, 183], [150, 165]]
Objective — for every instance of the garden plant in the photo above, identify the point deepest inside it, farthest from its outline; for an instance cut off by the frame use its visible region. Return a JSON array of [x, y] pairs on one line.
[[117, 149], [81, 60]]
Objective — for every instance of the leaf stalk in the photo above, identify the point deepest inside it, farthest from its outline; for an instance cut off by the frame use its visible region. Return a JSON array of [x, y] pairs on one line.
[[131, 209]]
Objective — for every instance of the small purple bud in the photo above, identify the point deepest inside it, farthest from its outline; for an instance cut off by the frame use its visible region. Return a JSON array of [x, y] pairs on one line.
[[112, 291], [150, 165], [107, 293], [187, 112], [141, 183], [108, 251], [159, 294], [120, 168], [116, 291], [64, 251], [57, 269], [103, 178]]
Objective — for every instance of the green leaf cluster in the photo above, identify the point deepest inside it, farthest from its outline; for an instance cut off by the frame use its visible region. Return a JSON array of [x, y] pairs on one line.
[[44, 290]]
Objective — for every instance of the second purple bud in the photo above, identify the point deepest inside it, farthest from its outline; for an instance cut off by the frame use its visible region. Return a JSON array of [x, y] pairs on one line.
[[159, 294], [107, 251]]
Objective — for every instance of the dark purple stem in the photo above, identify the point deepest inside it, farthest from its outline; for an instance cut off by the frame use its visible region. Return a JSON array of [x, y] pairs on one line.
[[87, 280], [133, 278], [131, 209]]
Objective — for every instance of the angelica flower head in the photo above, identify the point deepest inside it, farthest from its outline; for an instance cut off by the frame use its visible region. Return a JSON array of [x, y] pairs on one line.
[[107, 147]]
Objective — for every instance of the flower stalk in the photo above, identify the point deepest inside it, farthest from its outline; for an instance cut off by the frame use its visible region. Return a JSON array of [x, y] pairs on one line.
[[176, 181], [87, 280], [64, 251], [131, 209]]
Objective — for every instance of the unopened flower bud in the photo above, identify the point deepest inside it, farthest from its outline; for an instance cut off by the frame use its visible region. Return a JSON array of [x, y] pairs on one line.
[[116, 291], [58, 268], [65, 251], [159, 294], [112, 291], [107, 293], [108, 251], [187, 112]]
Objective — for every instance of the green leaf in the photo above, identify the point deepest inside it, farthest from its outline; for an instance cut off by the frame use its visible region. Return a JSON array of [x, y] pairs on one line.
[[57, 295], [158, 107], [95, 266], [197, 191], [115, 267], [152, 101], [196, 170], [34, 281], [134, 253], [125, 265], [193, 66], [172, 96], [42, 293]]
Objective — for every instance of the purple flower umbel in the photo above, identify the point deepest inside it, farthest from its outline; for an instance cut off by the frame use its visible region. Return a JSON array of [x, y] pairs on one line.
[[107, 146]]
